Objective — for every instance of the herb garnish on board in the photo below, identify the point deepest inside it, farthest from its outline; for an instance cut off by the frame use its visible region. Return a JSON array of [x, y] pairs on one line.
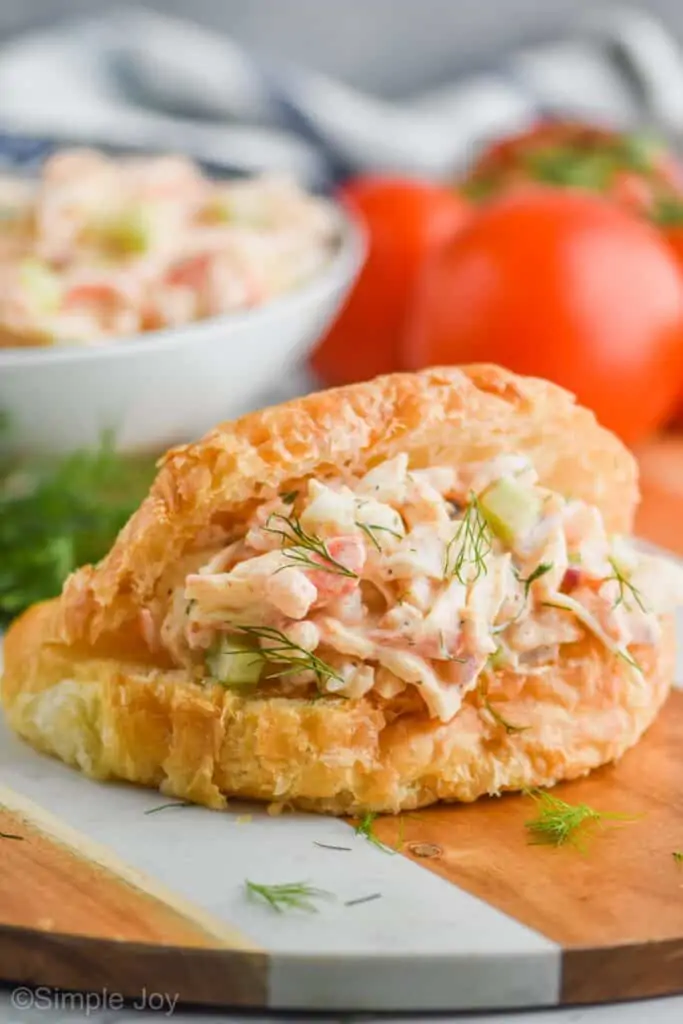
[[288, 895], [559, 823], [365, 828]]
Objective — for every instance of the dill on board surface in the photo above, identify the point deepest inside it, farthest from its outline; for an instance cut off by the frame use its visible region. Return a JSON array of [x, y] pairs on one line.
[[365, 828], [559, 823], [287, 895]]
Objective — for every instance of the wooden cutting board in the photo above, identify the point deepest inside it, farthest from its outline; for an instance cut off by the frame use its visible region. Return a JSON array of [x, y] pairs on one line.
[[108, 887]]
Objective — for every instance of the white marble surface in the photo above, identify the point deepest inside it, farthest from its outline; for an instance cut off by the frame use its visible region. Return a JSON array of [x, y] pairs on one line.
[[450, 941], [422, 941]]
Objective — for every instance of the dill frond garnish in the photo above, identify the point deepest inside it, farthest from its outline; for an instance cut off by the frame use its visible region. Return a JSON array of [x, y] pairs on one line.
[[539, 571], [59, 514], [566, 603], [289, 656], [626, 588], [499, 719], [626, 656], [473, 538], [289, 497], [443, 653], [365, 829], [288, 895], [678, 856], [307, 548], [329, 846], [11, 835], [363, 899], [558, 823], [164, 807], [368, 529]]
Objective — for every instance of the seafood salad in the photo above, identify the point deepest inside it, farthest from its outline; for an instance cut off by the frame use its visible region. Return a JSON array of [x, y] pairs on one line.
[[101, 248], [408, 586]]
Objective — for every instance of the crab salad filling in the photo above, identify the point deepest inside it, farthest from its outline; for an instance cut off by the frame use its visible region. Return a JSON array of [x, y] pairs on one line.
[[410, 586]]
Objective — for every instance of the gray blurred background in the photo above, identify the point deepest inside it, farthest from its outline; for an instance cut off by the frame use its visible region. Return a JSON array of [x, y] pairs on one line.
[[391, 47]]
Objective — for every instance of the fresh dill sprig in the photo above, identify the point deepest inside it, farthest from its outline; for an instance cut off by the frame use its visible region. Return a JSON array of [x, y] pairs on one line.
[[558, 823], [305, 546], [329, 846], [539, 571], [363, 899], [678, 856], [626, 656], [164, 807], [11, 835], [288, 895], [443, 653], [368, 529], [59, 514], [289, 497], [281, 651], [626, 588], [365, 828], [499, 719], [474, 540]]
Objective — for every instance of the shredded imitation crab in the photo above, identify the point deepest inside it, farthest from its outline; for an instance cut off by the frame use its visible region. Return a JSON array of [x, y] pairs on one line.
[[101, 248], [418, 580]]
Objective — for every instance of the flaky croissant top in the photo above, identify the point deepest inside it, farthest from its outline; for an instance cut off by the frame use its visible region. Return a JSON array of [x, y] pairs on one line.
[[411, 589]]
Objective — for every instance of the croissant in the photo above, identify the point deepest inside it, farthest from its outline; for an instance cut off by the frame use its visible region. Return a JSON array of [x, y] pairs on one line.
[[415, 589]]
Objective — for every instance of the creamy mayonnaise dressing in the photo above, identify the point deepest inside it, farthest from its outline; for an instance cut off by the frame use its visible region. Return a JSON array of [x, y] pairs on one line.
[[100, 248], [417, 580]]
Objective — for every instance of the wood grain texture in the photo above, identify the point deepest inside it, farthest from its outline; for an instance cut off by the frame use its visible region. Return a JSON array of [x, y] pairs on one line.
[[209, 977], [58, 839], [660, 516], [63, 892], [609, 906], [68, 919]]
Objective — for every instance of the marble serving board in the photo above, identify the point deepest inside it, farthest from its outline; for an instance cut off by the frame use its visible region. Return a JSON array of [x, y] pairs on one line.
[[102, 887]]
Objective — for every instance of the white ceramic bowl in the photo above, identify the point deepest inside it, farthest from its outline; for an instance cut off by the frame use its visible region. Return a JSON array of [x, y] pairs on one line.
[[160, 389]]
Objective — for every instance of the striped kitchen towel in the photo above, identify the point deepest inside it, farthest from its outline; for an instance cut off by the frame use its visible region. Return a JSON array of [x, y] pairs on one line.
[[143, 79]]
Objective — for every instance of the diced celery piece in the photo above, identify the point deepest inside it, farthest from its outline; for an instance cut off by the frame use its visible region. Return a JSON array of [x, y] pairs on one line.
[[219, 209], [510, 508], [498, 659], [127, 233], [40, 283], [234, 662]]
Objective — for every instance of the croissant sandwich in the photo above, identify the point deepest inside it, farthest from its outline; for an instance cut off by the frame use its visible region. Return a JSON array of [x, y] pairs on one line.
[[415, 589]]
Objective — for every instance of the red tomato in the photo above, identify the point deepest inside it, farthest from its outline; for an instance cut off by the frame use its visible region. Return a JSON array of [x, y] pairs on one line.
[[562, 285], [405, 220], [674, 238], [637, 172]]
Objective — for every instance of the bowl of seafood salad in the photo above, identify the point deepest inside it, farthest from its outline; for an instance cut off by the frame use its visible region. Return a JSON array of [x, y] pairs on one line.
[[98, 248], [153, 302], [410, 587]]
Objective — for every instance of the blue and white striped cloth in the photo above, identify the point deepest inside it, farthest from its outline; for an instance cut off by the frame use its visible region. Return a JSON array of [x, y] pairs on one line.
[[136, 78]]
